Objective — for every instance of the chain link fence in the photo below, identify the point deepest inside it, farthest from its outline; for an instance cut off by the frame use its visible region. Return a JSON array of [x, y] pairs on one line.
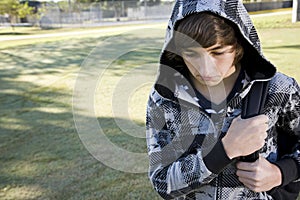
[[65, 14]]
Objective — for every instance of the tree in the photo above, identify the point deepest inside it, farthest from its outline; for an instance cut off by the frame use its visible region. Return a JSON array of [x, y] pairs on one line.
[[15, 10], [37, 15]]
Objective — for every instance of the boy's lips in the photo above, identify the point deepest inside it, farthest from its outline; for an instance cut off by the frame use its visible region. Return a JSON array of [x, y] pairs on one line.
[[207, 78]]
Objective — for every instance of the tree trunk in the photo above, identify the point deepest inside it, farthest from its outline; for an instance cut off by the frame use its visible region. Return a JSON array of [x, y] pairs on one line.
[[296, 11], [11, 21]]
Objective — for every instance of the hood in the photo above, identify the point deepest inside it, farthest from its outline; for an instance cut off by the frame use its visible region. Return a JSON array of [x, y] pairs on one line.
[[257, 67]]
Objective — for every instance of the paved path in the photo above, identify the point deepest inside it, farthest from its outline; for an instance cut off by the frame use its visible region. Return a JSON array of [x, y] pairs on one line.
[[119, 28]]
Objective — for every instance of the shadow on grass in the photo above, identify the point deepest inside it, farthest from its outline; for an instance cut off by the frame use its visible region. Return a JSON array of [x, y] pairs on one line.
[[42, 156], [14, 33], [48, 161], [121, 138]]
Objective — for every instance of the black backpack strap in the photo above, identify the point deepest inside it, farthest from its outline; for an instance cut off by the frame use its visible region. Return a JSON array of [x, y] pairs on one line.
[[253, 105]]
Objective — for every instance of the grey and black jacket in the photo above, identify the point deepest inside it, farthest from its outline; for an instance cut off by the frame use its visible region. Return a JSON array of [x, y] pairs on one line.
[[187, 158]]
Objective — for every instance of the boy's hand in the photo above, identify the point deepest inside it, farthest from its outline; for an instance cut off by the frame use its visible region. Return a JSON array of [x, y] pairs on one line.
[[259, 176], [245, 136]]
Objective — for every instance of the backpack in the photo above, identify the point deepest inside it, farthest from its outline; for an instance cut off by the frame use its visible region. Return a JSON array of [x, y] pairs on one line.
[[253, 105]]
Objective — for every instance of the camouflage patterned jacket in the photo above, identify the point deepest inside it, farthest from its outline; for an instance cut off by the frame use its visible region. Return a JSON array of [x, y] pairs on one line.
[[187, 158]]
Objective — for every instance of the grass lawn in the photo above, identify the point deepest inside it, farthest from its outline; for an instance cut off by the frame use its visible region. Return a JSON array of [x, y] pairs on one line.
[[42, 156]]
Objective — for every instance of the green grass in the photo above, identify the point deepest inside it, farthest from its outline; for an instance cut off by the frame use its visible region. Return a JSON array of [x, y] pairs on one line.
[[42, 156], [280, 42], [274, 22]]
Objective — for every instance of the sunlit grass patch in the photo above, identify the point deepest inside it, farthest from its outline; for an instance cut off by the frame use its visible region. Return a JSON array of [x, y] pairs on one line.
[[274, 22], [22, 192]]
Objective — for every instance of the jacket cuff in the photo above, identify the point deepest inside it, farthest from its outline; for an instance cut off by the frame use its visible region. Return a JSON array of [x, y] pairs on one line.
[[216, 160], [289, 170]]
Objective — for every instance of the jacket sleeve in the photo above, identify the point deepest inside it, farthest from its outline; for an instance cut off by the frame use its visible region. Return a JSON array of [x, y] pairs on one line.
[[288, 144], [288, 128], [173, 172]]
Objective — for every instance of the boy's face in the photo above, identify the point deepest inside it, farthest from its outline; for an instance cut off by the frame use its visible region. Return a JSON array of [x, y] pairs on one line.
[[209, 66]]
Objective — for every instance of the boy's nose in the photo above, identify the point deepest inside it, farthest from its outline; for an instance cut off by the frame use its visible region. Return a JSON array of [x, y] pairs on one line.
[[207, 66]]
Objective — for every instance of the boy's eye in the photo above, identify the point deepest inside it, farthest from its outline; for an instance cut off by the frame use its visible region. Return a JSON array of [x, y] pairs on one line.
[[216, 53]]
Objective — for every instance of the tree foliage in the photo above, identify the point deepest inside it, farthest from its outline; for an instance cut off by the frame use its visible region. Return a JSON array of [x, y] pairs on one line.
[[14, 9]]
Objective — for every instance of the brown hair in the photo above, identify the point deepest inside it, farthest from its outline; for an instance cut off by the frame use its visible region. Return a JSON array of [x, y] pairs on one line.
[[206, 29]]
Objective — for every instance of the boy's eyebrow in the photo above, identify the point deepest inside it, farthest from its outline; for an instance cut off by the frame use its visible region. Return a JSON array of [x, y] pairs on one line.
[[211, 48], [215, 48]]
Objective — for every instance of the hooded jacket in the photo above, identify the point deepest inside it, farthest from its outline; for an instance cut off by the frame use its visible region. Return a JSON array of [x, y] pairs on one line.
[[187, 157]]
